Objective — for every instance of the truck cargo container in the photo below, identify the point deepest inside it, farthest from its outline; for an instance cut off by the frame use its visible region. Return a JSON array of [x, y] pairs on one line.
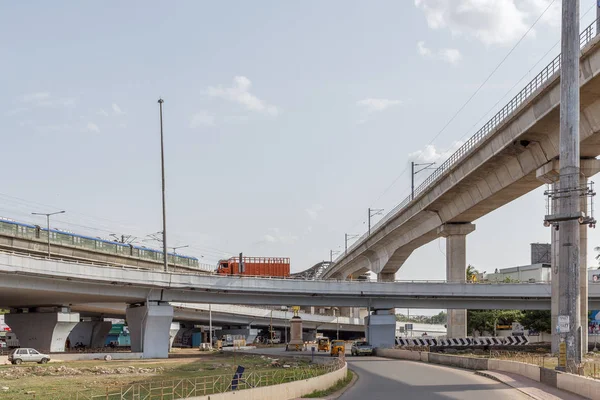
[[260, 266]]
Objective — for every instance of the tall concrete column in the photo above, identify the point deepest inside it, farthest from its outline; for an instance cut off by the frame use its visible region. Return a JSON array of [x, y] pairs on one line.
[[149, 327], [456, 271], [380, 329], [92, 333], [44, 330]]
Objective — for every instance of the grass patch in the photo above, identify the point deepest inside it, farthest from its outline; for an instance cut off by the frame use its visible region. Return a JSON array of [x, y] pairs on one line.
[[339, 385], [64, 379]]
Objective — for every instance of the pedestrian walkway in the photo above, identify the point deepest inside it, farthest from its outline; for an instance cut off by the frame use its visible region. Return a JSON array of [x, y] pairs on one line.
[[533, 389]]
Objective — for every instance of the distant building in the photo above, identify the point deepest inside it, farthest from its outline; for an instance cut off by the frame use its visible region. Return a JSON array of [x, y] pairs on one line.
[[527, 273]]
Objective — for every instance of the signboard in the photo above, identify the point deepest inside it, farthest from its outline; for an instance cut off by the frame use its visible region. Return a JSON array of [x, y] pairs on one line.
[[563, 325], [562, 355], [594, 322], [408, 327], [595, 278]]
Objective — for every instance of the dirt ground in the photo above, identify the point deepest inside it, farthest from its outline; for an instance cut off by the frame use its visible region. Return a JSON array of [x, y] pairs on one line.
[[65, 379]]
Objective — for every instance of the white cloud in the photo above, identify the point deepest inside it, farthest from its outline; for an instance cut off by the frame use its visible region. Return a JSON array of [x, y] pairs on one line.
[[431, 154], [15, 111], [451, 56], [492, 22], [102, 112], [35, 97], [44, 99], [424, 51], [374, 105], [275, 236], [202, 118], [92, 127], [116, 109], [240, 93], [313, 212]]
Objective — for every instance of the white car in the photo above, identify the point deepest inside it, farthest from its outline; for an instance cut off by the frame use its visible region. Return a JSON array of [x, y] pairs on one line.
[[21, 355]]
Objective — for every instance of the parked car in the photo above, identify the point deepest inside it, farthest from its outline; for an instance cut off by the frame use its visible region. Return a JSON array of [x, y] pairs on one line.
[[360, 348], [18, 356]]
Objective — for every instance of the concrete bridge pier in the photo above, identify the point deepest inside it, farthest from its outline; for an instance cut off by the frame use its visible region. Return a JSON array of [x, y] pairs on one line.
[[91, 332], [44, 329], [149, 327], [456, 271], [380, 329]]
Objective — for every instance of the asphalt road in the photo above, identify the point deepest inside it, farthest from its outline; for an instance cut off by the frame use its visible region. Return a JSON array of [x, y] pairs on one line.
[[382, 379]]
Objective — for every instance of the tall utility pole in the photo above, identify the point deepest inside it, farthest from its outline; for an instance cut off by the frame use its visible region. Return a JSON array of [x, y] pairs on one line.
[[346, 238], [597, 16], [164, 205], [372, 213], [332, 253], [48, 215], [568, 266], [413, 173]]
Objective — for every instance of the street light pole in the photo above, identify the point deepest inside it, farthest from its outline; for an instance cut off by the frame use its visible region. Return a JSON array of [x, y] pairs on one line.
[[164, 207], [48, 224], [372, 213], [413, 173], [210, 333]]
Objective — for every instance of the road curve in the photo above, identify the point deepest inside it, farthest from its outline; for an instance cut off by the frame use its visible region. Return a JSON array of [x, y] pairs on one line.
[[383, 379]]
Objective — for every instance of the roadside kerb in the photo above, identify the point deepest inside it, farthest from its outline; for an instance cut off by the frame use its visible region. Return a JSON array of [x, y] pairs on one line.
[[580, 385]]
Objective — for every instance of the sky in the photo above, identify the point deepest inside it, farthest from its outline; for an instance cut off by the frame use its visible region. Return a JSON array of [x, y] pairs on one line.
[[283, 121]]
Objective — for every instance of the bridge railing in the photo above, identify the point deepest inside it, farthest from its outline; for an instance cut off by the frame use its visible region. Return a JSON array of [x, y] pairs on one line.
[[501, 116]]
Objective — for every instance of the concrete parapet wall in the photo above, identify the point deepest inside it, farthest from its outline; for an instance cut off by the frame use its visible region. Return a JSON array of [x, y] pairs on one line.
[[458, 361], [526, 370], [284, 391], [586, 387]]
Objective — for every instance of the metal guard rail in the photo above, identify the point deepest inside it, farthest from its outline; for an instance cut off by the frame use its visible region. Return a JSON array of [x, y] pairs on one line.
[[548, 72]]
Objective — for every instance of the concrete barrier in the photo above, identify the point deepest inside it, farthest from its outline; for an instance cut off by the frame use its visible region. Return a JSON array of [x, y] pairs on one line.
[[473, 363], [400, 354], [527, 370], [580, 385], [284, 391]]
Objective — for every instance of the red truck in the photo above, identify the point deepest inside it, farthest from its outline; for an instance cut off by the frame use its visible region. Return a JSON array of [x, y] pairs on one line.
[[260, 266]]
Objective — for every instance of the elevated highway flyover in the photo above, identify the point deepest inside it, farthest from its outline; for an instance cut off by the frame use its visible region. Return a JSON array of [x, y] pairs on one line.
[[30, 284]]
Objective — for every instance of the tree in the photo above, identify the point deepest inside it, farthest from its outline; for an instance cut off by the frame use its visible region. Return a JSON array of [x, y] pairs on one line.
[[537, 320], [472, 273], [487, 320], [440, 318]]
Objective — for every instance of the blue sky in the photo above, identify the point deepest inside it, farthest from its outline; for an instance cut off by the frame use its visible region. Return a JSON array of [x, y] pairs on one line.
[[284, 121]]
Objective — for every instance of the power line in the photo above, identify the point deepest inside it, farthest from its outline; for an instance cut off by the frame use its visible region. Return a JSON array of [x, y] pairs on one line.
[[490, 75]]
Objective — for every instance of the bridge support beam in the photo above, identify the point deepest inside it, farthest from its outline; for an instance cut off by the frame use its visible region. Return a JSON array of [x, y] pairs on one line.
[[549, 173], [149, 327], [380, 329], [91, 333], [456, 271], [44, 330]]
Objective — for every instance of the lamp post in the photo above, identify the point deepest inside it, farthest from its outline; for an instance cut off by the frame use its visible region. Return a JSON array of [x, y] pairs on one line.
[[348, 237], [164, 207], [210, 333], [373, 212], [48, 224], [413, 173]]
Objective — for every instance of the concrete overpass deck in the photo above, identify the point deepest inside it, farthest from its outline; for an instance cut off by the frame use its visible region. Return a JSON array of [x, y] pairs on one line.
[[30, 282]]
